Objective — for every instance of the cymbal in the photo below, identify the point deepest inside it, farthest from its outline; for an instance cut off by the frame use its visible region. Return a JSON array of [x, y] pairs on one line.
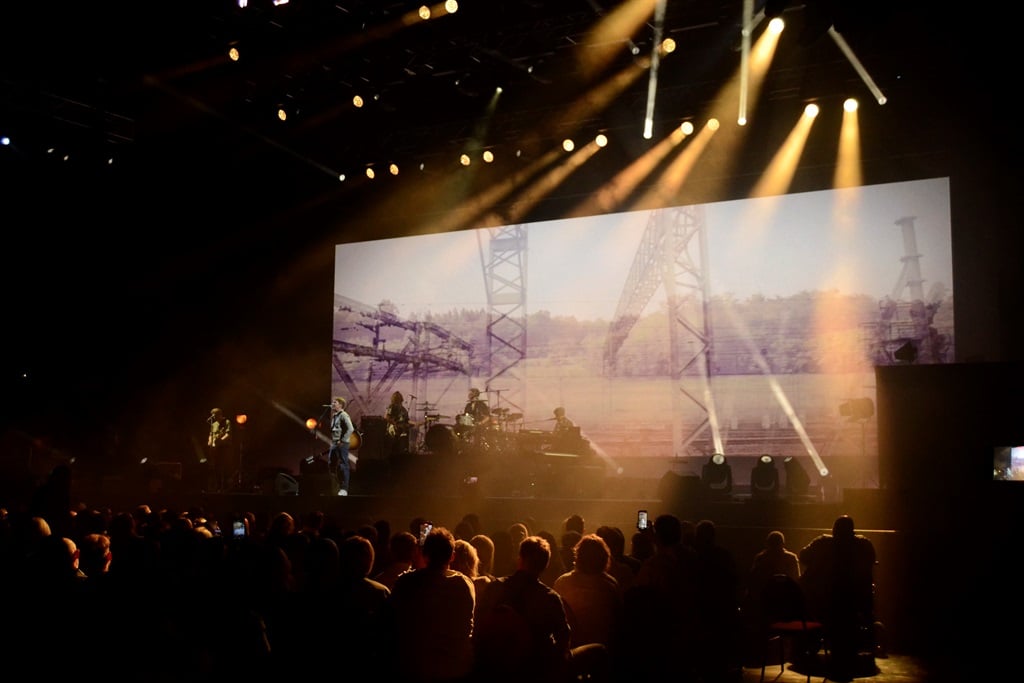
[[500, 411]]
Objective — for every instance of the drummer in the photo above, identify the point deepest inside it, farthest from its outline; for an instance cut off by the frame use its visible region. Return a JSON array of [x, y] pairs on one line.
[[477, 409]]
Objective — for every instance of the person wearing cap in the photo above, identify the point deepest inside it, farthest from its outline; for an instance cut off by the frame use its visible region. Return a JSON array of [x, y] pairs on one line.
[[217, 458]]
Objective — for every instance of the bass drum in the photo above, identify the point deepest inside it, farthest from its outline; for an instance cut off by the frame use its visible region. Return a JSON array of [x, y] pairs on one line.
[[440, 439]]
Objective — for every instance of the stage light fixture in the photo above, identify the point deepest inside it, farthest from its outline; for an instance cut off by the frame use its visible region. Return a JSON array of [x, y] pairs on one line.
[[357, 101], [851, 104], [370, 173], [716, 476], [465, 160], [764, 479], [601, 140], [568, 145], [798, 482], [233, 53], [488, 156], [424, 12], [451, 6], [393, 169]]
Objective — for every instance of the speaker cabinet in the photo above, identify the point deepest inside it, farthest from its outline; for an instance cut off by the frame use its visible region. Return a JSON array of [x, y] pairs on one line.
[[376, 442], [285, 485]]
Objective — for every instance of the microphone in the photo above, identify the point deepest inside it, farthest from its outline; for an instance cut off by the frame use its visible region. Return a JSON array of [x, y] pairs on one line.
[[210, 419], [326, 405]]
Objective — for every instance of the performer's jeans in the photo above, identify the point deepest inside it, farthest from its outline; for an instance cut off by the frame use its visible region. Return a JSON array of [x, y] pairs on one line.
[[337, 461]]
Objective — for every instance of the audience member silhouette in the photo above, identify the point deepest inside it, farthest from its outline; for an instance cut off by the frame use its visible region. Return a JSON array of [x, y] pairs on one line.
[[566, 543], [466, 561], [838, 579], [592, 596], [485, 554], [517, 531], [716, 604], [623, 567], [505, 553], [523, 632], [641, 547], [364, 609], [404, 550], [773, 558], [659, 617], [432, 612], [555, 566]]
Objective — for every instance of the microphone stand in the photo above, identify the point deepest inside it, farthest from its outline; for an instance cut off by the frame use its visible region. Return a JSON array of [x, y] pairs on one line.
[[313, 432]]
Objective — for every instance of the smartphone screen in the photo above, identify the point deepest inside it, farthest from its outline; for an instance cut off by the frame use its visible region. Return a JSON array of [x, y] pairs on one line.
[[238, 528], [641, 519], [424, 530]]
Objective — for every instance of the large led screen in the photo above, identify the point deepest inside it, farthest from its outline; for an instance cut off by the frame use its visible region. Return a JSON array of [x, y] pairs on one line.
[[746, 327]]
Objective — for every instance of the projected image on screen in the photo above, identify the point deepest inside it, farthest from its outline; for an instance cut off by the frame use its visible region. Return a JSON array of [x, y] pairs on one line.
[[744, 328]]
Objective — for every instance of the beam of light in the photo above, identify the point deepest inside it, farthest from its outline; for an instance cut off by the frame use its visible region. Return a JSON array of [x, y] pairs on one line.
[[728, 142], [857, 66], [593, 101], [663, 192], [543, 186], [652, 80], [610, 197], [776, 178], [848, 166], [778, 392], [607, 36]]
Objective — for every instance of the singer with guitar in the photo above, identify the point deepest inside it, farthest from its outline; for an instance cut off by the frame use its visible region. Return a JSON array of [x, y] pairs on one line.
[[217, 458], [342, 431]]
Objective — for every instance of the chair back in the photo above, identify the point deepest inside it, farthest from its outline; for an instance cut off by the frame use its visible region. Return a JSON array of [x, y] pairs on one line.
[[782, 599]]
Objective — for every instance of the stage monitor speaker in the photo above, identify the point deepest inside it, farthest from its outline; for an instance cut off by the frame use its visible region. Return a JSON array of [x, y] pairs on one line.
[[285, 485]]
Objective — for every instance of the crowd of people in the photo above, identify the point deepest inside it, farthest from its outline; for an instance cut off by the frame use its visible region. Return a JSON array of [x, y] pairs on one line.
[[172, 595]]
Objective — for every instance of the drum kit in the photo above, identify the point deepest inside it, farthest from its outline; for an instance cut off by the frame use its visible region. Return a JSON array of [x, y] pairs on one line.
[[439, 436]]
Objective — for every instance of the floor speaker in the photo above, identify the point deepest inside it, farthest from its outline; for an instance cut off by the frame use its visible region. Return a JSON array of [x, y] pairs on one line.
[[285, 485]]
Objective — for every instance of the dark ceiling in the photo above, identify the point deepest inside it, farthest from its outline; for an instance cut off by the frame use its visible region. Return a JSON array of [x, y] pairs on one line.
[[150, 85]]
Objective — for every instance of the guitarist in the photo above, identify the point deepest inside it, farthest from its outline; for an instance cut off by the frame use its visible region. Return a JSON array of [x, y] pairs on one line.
[[338, 455], [397, 416], [218, 450]]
